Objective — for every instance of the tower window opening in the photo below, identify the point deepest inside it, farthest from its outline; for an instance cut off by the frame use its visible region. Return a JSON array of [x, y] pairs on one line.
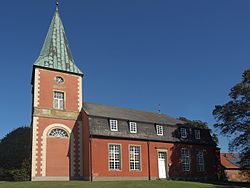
[[58, 100]]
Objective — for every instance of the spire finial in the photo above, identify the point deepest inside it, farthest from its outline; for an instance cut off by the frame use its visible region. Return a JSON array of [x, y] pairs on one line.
[[57, 5]]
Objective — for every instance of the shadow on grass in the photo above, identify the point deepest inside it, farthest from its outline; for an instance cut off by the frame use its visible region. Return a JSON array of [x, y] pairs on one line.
[[124, 184], [226, 184]]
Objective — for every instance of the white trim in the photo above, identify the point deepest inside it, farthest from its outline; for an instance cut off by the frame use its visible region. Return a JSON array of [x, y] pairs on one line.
[[34, 146], [140, 162], [58, 81], [183, 132], [79, 93], [115, 128], [63, 99], [36, 87], [50, 178], [165, 151], [120, 157], [36, 91], [159, 130], [44, 146], [162, 150], [131, 128], [58, 132]]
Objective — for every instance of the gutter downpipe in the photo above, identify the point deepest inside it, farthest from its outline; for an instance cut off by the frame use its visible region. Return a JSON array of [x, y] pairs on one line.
[[149, 176], [90, 145]]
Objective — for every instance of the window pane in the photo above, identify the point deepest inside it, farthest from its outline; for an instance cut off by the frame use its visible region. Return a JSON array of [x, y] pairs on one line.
[[159, 129], [58, 133], [113, 125], [56, 103], [135, 163], [133, 127], [58, 100], [197, 134], [183, 132], [200, 161], [186, 159], [114, 157], [61, 104]]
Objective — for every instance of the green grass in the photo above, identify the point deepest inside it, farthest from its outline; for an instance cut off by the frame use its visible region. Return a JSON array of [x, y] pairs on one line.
[[119, 184]]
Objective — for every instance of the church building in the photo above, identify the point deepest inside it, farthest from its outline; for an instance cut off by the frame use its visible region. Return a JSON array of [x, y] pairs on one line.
[[72, 139]]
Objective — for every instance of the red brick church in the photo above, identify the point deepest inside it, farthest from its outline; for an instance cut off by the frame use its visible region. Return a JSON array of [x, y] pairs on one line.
[[72, 139]]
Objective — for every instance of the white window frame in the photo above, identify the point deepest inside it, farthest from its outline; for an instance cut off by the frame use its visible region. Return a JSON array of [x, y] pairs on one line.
[[185, 159], [159, 130], [114, 157], [58, 102], [59, 79], [134, 158], [133, 127], [183, 132], [58, 132], [113, 125], [197, 134], [200, 161]]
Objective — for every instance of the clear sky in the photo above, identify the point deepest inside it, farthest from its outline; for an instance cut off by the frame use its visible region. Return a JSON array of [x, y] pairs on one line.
[[185, 55]]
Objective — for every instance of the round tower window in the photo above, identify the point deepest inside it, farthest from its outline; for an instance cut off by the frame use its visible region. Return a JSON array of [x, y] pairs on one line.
[[59, 80], [57, 132]]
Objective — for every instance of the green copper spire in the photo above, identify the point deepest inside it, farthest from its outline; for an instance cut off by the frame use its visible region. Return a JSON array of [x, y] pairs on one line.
[[55, 53]]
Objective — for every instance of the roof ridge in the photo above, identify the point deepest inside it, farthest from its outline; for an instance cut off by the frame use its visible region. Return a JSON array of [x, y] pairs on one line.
[[122, 108], [143, 111]]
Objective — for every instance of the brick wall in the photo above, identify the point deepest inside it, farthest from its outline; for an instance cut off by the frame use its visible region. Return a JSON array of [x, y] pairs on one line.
[[100, 166], [53, 157]]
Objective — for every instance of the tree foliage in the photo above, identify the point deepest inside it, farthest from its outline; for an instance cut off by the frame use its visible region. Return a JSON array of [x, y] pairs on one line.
[[200, 124], [233, 118], [15, 150]]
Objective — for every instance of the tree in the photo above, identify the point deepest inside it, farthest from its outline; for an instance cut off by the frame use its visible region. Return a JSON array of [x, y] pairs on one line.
[[233, 118], [15, 150], [200, 124]]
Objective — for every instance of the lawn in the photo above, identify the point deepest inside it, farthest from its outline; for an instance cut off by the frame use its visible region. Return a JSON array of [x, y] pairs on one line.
[[119, 184]]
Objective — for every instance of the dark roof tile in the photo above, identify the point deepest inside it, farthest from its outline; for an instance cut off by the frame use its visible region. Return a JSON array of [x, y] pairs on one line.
[[128, 114]]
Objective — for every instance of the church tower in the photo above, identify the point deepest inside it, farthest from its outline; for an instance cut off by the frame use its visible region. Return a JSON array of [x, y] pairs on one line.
[[56, 111]]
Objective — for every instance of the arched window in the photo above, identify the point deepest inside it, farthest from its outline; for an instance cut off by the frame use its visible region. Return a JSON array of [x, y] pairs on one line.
[[57, 132]]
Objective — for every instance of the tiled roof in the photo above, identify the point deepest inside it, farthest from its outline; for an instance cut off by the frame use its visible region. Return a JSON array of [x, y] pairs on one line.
[[55, 53], [128, 114], [229, 160], [99, 125]]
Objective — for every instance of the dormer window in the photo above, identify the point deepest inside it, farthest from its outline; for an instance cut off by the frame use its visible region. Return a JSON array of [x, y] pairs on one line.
[[113, 125], [132, 127], [159, 130], [197, 134], [183, 132]]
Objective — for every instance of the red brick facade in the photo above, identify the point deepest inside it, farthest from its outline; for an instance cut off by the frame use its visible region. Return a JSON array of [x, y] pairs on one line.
[[83, 156], [149, 160], [73, 140], [54, 156]]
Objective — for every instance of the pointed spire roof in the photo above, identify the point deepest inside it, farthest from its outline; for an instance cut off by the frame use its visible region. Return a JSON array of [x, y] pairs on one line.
[[55, 53]]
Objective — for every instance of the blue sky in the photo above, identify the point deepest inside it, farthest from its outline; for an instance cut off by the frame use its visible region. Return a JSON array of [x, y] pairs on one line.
[[185, 55]]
